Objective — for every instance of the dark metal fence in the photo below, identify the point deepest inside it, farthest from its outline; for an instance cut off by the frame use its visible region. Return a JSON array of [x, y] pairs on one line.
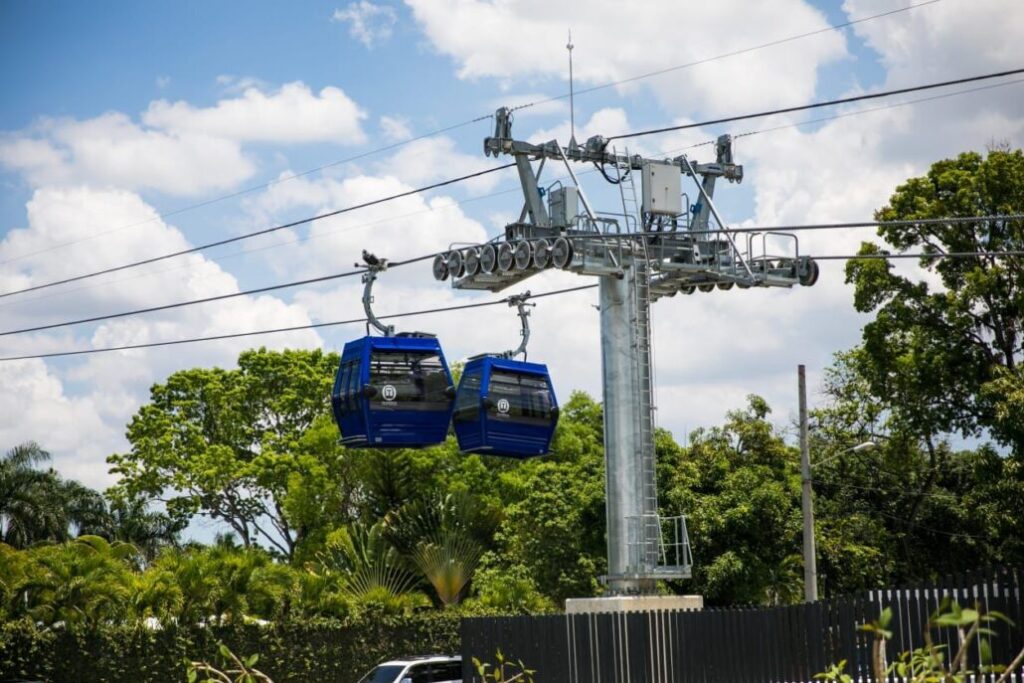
[[746, 645]]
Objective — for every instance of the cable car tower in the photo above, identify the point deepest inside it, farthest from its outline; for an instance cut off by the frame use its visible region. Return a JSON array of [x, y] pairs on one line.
[[655, 247]]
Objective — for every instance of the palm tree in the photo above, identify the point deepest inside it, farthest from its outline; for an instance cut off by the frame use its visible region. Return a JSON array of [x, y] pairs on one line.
[[448, 561], [133, 522], [368, 567], [157, 595], [28, 509], [85, 581], [84, 509], [234, 570], [317, 594], [444, 536], [14, 567], [194, 579]]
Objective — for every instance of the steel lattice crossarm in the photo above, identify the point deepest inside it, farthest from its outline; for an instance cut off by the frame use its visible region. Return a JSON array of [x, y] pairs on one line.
[[594, 150], [684, 252]]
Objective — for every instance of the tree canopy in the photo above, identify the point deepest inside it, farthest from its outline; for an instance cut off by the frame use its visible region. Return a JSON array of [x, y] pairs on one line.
[[317, 530], [946, 349], [250, 447]]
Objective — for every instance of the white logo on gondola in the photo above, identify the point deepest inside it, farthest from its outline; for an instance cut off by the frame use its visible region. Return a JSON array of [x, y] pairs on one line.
[[389, 392], [503, 406]]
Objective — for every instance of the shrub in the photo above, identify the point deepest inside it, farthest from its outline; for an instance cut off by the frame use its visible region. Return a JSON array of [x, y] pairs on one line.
[[322, 650]]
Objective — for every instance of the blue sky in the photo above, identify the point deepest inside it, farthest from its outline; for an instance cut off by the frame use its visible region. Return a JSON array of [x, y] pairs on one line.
[[116, 110]]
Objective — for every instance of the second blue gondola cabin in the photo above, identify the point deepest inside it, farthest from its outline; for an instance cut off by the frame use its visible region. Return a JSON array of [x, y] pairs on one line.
[[393, 392], [505, 407]]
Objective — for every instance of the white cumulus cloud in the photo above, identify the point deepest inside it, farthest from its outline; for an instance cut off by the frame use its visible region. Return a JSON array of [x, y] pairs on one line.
[[523, 39], [293, 113], [112, 150], [368, 23], [395, 128], [178, 148], [79, 411]]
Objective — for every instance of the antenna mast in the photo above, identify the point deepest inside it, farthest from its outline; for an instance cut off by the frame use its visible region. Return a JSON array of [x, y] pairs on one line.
[[572, 105]]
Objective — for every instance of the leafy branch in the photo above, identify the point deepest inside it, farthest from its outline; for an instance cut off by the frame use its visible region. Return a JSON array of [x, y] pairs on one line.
[[504, 671], [931, 664], [240, 671]]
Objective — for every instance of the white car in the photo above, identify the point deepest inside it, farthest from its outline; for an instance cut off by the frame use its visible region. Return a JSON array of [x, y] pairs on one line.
[[426, 669]]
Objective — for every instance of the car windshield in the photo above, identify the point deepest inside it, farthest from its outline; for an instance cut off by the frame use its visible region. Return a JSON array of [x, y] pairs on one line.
[[387, 673]]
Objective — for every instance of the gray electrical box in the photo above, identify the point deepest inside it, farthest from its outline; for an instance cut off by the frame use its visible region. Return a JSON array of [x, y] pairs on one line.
[[662, 189], [563, 205]]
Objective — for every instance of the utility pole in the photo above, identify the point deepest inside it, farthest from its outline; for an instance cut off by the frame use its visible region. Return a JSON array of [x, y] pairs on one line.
[[810, 561]]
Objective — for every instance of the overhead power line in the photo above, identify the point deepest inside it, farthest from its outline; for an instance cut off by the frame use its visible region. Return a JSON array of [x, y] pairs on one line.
[[311, 326], [889, 492], [516, 188], [452, 181], [208, 299], [894, 105], [920, 254], [396, 264], [818, 105], [258, 233], [293, 328], [915, 525]]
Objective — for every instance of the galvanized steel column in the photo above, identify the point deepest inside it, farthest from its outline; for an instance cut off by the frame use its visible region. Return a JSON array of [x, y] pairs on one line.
[[621, 440]]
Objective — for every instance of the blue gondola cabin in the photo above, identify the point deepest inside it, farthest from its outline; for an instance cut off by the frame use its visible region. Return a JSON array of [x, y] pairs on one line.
[[393, 392], [505, 407]]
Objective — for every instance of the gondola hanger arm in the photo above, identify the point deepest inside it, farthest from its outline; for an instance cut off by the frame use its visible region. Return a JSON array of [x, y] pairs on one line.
[[373, 265], [519, 301]]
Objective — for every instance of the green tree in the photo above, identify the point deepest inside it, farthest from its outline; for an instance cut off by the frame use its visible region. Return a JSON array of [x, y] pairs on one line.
[[28, 509], [369, 570], [84, 510], [941, 356], [85, 581], [248, 447], [947, 356], [739, 486], [508, 591], [444, 536], [132, 521], [554, 525]]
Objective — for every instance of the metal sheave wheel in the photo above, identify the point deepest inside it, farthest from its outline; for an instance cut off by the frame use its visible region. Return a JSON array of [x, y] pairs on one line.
[[488, 259], [506, 257], [687, 289], [561, 252], [454, 263], [725, 286], [708, 287], [471, 261], [523, 254], [809, 272], [440, 267], [542, 253]]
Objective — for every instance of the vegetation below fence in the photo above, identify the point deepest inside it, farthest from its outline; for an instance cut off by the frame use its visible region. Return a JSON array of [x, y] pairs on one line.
[[322, 650]]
